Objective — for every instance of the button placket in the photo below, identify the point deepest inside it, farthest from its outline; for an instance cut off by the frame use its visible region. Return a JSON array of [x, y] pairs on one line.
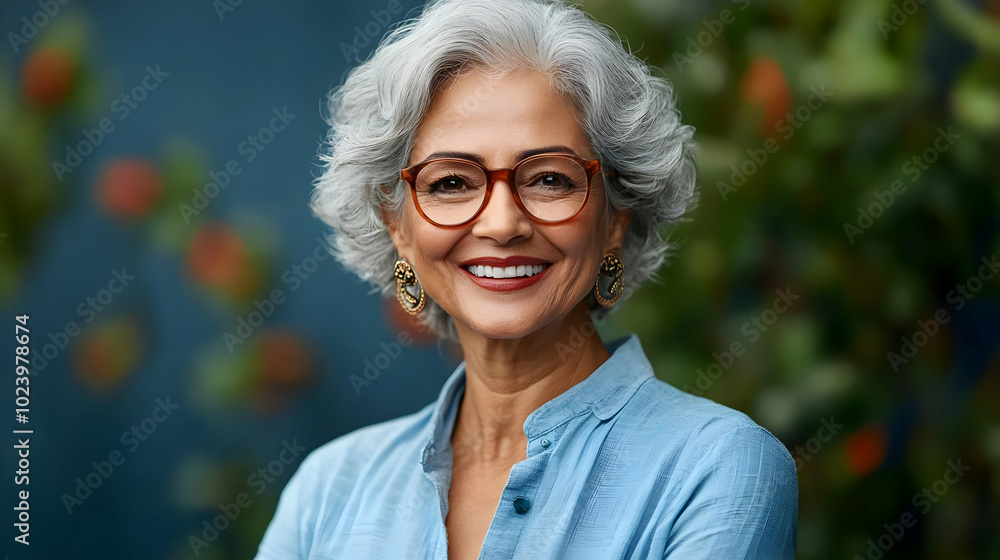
[[515, 506]]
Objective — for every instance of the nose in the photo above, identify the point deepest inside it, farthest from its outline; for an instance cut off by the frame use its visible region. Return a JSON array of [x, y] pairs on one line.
[[502, 219]]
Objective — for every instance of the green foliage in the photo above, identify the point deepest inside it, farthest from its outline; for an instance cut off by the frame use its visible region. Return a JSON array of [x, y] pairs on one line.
[[876, 229]]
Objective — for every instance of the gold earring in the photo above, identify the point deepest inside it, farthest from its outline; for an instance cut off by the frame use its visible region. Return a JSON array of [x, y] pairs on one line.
[[408, 287], [612, 267]]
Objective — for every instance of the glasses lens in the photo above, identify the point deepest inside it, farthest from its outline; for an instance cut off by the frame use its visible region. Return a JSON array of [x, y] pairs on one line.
[[552, 188], [450, 192]]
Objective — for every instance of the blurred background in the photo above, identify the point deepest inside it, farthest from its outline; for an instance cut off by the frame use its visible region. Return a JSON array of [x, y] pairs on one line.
[[191, 342]]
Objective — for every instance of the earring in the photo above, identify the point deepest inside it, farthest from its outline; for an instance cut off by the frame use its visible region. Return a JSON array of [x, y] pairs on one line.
[[611, 267], [409, 292]]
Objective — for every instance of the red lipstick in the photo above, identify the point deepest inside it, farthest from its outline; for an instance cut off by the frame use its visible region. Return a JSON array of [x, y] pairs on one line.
[[505, 284]]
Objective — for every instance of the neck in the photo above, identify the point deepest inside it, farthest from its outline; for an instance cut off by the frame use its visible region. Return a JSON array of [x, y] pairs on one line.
[[508, 379]]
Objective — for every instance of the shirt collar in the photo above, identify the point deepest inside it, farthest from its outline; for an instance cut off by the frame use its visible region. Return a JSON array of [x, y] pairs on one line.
[[603, 393]]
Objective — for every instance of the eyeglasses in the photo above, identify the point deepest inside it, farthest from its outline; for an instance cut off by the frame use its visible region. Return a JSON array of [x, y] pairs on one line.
[[551, 188]]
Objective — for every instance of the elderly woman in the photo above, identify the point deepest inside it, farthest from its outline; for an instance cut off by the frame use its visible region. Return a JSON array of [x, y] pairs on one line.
[[507, 168]]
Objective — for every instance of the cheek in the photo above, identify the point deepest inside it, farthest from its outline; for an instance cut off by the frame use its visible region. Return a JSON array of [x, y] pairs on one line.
[[584, 245], [590, 233], [581, 248], [434, 243], [424, 242], [431, 245]]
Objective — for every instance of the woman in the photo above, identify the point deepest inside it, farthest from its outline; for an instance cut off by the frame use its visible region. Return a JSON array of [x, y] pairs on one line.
[[508, 167]]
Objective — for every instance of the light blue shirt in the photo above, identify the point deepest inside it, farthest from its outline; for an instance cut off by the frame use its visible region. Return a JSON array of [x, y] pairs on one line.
[[621, 465]]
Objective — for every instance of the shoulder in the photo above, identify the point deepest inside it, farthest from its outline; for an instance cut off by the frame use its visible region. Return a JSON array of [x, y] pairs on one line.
[[329, 474], [324, 482], [361, 446], [735, 488], [692, 428]]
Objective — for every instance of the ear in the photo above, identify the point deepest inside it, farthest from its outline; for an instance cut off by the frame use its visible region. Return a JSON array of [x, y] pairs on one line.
[[398, 230], [616, 232]]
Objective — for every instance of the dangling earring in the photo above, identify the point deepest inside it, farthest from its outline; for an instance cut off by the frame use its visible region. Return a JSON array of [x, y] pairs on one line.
[[611, 267], [409, 292]]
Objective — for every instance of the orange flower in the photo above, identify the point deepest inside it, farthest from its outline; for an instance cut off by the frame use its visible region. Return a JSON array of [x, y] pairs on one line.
[[130, 188], [47, 77], [764, 85], [866, 449], [217, 256]]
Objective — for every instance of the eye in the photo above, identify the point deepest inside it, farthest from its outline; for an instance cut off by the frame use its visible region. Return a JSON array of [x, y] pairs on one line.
[[449, 184], [553, 181]]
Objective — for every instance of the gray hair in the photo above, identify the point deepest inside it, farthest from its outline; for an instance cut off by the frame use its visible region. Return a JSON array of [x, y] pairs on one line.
[[628, 115]]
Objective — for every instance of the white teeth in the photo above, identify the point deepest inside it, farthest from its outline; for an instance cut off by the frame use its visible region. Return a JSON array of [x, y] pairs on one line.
[[519, 271]]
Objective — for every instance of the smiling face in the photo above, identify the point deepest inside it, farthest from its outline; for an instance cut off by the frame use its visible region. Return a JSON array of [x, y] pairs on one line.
[[500, 122]]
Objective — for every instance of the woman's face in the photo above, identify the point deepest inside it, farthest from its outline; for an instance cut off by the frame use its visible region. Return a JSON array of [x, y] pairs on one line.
[[496, 120]]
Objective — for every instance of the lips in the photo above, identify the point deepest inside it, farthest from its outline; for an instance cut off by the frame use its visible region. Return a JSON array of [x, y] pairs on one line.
[[504, 275]]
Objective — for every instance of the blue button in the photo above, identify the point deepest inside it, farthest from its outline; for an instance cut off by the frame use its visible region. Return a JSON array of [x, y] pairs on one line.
[[545, 443], [522, 505]]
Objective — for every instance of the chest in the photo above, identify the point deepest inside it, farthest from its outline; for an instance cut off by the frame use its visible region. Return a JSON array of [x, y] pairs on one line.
[[472, 503]]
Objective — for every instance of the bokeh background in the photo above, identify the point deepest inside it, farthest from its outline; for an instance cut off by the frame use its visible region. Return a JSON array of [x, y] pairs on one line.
[[848, 160]]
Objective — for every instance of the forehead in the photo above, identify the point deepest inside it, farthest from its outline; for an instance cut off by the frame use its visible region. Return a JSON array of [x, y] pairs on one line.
[[498, 118]]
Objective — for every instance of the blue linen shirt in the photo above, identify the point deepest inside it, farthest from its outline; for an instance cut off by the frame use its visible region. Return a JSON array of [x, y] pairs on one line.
[[621, 465]]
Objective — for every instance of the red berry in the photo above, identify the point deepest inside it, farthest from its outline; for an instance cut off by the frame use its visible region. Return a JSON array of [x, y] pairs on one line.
[[217, 256], [130, 188], [47, 77]]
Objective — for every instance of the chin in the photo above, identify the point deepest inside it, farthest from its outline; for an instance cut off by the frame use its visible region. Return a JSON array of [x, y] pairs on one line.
[[512, 317], [502, 328]]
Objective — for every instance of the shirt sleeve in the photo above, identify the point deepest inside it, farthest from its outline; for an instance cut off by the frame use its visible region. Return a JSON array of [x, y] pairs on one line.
[[290, 533], [742, 501]]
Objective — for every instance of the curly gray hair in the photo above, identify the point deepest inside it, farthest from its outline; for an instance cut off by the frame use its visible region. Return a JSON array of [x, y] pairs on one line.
[[628, 115]]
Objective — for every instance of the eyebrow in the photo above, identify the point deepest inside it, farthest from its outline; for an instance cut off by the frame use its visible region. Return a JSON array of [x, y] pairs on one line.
[[479, 159]]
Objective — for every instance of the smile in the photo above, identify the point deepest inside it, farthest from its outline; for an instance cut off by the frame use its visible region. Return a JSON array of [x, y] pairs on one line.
[[505, 274], [520, 271]]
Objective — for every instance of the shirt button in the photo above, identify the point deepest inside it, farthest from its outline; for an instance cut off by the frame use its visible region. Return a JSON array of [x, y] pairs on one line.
[[545, 443], [522, 505]]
